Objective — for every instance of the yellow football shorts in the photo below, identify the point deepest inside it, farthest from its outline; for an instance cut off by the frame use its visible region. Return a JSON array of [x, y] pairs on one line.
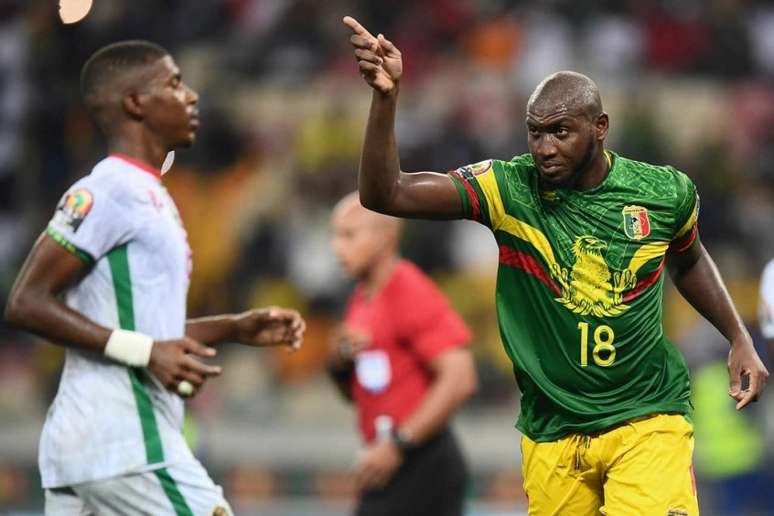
[[640, 467]]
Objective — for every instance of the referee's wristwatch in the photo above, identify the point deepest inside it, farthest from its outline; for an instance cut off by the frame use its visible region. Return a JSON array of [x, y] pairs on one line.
[[403, 441]]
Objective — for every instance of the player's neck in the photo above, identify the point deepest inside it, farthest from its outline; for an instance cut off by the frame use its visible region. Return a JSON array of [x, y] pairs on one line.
[[596, 172], [379, 275], [145, 152]]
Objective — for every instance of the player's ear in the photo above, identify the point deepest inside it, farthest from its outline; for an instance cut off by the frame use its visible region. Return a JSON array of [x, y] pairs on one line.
[[132, 103], [601, 126]]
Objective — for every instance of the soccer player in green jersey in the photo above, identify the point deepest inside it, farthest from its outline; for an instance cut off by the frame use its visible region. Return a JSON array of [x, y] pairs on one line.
[[584, 235]]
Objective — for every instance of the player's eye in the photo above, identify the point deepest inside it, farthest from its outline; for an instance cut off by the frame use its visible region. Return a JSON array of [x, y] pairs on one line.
[[561, 132], [533, 131]]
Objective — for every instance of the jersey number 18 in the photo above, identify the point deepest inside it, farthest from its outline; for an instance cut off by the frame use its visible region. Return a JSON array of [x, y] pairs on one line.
[[603, 345]]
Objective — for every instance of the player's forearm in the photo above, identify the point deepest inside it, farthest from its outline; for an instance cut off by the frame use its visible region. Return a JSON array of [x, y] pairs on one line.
[[213, 329], [380, 163], [702, 286], [448, 391], [47, 316]]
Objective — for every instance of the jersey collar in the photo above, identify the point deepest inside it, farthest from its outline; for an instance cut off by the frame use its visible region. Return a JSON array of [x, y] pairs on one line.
[[138, 164]]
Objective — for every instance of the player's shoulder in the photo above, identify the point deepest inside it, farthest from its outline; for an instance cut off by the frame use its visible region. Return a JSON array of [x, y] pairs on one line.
[[662, 181], [651, 172], [522, 161], [517, 179], [110, 178], [519, 167], [409, 273], [519, 170], [516, 166], [413, 296]]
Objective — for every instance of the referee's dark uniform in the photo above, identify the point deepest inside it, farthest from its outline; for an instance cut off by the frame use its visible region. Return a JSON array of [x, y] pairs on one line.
[[409, 324], [430, 482]]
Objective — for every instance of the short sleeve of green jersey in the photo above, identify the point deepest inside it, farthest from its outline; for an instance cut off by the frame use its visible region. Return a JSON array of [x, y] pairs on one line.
[[479, 191], [687, 214]]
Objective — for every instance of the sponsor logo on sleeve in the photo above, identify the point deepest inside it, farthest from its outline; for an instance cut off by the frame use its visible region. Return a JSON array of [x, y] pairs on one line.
[[74, 207]]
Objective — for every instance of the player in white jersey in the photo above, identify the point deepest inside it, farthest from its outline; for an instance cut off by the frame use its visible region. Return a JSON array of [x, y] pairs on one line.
[[108, 280], [766, 307]]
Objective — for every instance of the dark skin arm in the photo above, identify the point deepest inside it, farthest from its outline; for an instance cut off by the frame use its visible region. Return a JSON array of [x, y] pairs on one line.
[[35, 304], [259, 327], [698, 280], [383, 186], [454, 381]]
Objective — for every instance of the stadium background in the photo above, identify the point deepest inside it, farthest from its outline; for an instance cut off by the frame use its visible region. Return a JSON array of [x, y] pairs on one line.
[[686, 82]]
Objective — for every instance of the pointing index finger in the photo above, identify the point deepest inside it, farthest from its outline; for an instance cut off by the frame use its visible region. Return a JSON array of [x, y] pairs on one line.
[[353, 24]]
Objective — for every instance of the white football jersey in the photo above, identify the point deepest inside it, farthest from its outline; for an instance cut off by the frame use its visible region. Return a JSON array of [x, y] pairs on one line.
[[766, 301], [108, 419]]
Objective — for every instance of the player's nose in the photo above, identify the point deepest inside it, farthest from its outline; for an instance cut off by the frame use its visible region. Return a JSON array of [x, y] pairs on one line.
[[193, 97], [545, 148]]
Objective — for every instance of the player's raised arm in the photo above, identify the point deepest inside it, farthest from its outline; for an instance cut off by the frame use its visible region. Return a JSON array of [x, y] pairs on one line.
[[383, 186]]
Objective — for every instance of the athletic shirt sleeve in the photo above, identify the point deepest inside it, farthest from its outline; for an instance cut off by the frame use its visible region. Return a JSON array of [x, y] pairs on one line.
[[480, 193], [766, 302], [686, 226], [91, 219], [426, 321]]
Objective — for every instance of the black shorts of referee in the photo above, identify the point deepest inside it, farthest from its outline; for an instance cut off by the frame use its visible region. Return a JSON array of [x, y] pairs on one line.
[[431, 481]]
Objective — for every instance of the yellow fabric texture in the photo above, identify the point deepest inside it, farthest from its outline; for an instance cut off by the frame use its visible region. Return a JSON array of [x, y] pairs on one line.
[[641, 467]]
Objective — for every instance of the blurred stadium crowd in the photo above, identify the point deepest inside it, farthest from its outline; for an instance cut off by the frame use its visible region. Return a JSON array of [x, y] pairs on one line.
[[686, 82]]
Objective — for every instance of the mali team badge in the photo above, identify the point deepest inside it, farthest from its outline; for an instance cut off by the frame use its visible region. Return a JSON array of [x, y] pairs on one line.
[[74, 208], [636, 222]]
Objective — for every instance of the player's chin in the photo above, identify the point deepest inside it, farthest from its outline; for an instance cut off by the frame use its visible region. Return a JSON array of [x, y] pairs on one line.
[[555, 178], [187, 141], [350, 270]]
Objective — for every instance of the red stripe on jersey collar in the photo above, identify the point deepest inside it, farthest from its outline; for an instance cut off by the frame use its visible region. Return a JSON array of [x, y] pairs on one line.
[[139, 164]]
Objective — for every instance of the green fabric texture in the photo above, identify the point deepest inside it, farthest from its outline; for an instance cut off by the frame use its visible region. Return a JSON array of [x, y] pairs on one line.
[[579, 291]]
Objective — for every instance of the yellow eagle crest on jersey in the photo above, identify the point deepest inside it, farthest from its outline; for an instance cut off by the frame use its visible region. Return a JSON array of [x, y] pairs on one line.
[[590, 288]]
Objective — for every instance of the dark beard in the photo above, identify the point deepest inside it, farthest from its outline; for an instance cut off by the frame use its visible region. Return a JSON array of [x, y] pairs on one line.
[[577, 172], [585, 164]]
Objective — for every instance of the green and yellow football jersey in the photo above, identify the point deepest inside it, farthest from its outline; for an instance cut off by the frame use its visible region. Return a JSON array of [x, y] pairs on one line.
[[579, 289]]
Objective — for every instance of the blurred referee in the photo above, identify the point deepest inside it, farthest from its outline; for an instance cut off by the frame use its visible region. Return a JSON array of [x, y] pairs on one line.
[[401, 356]]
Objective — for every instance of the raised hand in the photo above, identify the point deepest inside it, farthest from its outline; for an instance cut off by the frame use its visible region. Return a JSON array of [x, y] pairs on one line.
[[380, 62], [271, 326], [172, 362]]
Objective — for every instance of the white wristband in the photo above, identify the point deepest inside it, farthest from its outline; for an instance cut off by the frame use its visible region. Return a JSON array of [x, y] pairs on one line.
[[129, 347]]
